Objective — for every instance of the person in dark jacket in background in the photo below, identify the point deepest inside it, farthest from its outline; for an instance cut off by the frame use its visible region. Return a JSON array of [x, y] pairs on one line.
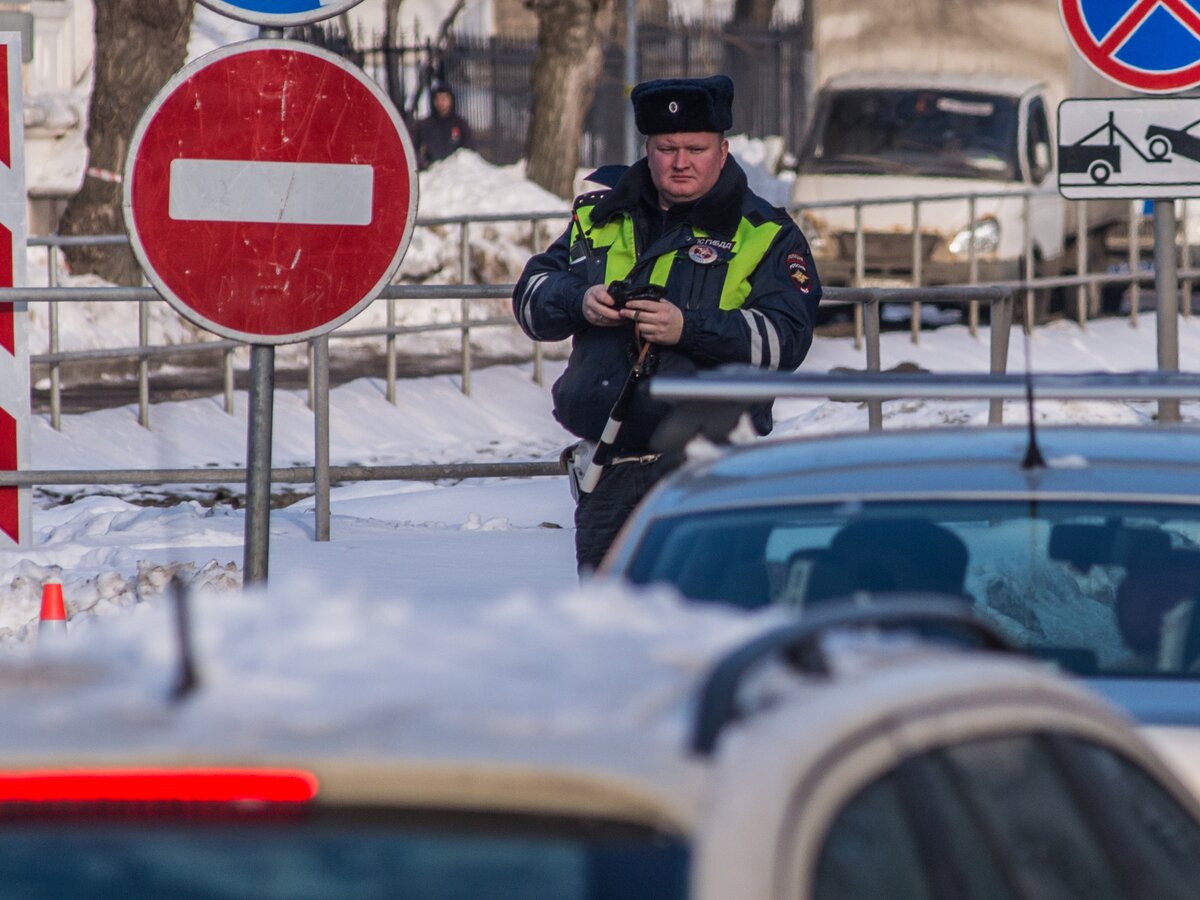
[[441, 132], [740, 287]]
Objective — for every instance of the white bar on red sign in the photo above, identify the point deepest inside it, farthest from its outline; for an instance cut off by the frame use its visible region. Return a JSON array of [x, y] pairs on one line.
[[223, 190]]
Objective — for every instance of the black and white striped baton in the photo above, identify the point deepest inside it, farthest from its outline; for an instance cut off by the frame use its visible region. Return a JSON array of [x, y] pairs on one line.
[[600, 457]]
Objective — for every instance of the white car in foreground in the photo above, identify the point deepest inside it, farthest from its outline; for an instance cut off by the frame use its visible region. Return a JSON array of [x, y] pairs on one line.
[[605, 745]]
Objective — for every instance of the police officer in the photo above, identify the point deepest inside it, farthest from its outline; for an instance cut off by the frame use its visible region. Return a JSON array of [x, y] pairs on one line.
[[739, 282]]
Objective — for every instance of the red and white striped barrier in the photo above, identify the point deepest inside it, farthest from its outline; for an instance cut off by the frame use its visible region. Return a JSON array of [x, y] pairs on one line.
[[15, 521]]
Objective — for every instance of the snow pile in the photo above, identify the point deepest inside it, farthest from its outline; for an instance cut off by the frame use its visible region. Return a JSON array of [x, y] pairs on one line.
[[498, 251], [390, 671]]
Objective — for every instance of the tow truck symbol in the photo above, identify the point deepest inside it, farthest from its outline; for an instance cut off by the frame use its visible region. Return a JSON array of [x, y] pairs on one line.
[[1100, 161]]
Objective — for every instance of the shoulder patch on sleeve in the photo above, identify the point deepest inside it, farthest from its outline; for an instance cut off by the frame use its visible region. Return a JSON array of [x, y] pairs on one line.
[[797, 266]]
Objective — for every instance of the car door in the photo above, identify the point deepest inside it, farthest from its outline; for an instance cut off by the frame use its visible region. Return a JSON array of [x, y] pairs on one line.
[[1027, 815], [972, 776]]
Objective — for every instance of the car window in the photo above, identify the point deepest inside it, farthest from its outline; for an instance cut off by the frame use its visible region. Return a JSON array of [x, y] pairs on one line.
[[872, 851], [1007, 817], [1161, 839], [454, 858], [961, 134], [1018, 794], [1098, 588]]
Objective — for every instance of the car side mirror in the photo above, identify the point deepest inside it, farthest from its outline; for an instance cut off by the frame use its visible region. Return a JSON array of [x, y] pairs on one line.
[[1041, 161]]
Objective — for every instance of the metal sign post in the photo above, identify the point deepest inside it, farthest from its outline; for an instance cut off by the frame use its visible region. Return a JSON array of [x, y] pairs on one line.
[[270, 194], [1144, 148], [256, 546], [1166, 289], [632, 153]]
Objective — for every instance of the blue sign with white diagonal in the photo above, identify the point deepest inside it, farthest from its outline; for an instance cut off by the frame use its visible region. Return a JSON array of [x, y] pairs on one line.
[[280, 13]]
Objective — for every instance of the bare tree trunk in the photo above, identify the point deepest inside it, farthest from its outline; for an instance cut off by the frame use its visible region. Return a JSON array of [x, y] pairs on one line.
[[566, 70], [434, 69], [391, 52], [139, 45]]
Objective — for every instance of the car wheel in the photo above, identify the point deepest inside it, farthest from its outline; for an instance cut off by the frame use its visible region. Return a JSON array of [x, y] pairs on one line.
[[1159, 147], [1100, 171]]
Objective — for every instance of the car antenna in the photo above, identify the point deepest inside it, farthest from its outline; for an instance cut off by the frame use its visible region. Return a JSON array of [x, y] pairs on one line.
[[187, 681], [1033, 454]]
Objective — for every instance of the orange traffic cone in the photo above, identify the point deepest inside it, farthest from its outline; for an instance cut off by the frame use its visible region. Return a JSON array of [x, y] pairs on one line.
[[54, 612]]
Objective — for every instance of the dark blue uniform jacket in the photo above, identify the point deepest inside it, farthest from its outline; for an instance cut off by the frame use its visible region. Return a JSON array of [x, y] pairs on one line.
[[773, 328]]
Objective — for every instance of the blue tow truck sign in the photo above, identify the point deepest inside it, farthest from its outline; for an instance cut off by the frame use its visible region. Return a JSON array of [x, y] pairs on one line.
[[280, 13], [1143, 147]]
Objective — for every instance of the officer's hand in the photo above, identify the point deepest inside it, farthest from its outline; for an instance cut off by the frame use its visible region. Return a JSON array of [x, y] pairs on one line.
[[599, 308], [657, 321]]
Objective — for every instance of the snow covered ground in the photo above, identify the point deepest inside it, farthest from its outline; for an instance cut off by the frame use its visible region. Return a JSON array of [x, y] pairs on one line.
[[446, 544]]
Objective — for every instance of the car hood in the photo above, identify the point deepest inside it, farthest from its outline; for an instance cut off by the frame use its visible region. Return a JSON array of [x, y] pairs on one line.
[[945, 216]]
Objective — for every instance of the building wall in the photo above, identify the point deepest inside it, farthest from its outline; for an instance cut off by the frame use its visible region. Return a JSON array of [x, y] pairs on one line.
[[62, 45]]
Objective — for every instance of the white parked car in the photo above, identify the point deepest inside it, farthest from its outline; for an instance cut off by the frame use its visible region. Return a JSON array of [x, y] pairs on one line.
[[608, 746]]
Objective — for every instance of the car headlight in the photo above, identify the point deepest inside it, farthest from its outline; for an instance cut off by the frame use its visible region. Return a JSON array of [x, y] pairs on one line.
[[985, 233]]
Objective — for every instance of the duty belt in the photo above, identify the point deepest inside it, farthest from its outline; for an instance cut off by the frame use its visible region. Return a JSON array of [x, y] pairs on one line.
[[645, 459]]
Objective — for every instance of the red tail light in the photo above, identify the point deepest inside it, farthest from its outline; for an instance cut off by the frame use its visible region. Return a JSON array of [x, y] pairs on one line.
[[229, 786]]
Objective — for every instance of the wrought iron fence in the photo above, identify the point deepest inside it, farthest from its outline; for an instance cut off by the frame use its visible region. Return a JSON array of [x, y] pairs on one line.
[[492, 80]]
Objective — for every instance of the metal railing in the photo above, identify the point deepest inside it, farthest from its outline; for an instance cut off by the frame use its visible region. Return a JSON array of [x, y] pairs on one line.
[[144, 351], [998, 296], [322, 475], [1084, 281], [866, 300]]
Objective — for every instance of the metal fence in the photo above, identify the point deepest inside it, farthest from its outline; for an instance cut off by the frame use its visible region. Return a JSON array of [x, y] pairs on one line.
[[866, 302], [863, 301], [144, 352], [998, 297], [322, 474], [1085, 280]]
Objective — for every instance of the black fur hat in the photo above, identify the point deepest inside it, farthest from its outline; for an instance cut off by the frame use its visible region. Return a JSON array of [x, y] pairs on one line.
[[669, 105]]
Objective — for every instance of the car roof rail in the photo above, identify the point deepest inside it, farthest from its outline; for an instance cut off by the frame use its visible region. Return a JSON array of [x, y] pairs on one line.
[[746, 384], [799, 642]]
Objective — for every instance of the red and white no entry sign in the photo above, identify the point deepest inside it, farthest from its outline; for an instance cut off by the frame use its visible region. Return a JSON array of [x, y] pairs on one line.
[[15, 513], [270, 191]]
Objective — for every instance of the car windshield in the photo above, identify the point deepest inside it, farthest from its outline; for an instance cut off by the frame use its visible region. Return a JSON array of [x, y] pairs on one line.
[[460, 858], [1099, 588], [953, 134]]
